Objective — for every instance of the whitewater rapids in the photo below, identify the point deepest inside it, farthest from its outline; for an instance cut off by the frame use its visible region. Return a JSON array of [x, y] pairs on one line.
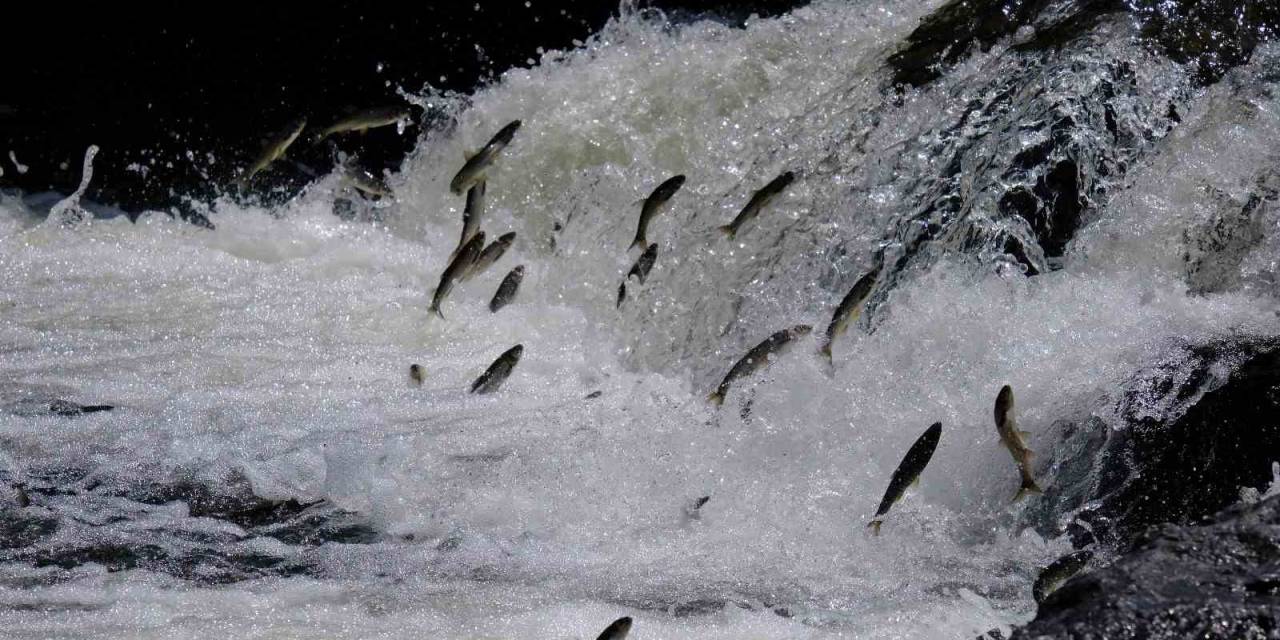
[[276, 349]]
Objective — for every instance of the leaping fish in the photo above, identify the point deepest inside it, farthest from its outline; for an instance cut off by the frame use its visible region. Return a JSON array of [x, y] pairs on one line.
[[1011, 438], [849, 309], [757, 358], [471, 214], [640, 270], [759, 200], [907, 473], [274, 150], [474, 168], [498, 372], [490, 255], [1059, 572], [453, 273], [617, 630], [507, 290], [364, 120], [655, 204]]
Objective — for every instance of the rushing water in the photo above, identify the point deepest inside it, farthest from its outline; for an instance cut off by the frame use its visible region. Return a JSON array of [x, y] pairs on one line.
[[267, 360]]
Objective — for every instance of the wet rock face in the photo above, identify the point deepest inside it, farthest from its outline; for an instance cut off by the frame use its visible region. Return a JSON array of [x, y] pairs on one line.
[[1196, 428], [1210, 36], [1219, 580], [212, 533]]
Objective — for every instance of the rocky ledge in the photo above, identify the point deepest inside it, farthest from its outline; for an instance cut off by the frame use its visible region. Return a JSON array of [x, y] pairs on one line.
[[1216, 580]]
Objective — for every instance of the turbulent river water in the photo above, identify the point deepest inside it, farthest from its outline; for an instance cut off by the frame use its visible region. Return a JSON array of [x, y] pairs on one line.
[[271, 472]]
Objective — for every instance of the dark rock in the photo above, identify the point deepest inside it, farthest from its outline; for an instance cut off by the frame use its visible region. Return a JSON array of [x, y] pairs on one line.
[[1210, 36], [1197, 426], [959, 27], [1210, 581]]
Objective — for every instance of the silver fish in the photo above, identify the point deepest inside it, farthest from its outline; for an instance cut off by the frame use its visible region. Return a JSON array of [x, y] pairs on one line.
[[757, 358], [471, 214], [759, 200], [1011, 438], [493, 377], [364, 120], [474, 169], [908, 472], [1059, 572], [274, 150], [849, 309], [453, 273], [655, 204], [507, 290], [490, 255], [617, 630]]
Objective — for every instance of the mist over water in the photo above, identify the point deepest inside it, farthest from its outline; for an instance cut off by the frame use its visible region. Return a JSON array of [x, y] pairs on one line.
[[270, 357]]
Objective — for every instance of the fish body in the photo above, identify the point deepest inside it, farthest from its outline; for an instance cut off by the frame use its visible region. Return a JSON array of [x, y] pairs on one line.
[[417, 374], [655, 204], [757, 358], [493, 377], [453, 273], [507, 290], [617, 630], [475, 167], [849, 309], [21, 498], [471, 214], [274, 150], [1058, 572], [908, 472], [490, 255], [644, 263], [1011, 438], [640, 270], [364, 182], [364, 120], [759, 200]]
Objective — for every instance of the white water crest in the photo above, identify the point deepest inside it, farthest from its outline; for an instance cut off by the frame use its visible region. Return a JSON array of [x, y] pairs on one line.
[[275, 351]]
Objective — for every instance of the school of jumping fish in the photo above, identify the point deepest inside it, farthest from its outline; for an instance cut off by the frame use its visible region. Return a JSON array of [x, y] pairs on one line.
[[472, 257]]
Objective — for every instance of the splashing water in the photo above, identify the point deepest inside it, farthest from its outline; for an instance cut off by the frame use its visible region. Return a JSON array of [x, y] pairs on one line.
[[270, 357], [68, 211]]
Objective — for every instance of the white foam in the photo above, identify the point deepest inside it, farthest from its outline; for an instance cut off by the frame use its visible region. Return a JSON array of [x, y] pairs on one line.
[[279, 345]]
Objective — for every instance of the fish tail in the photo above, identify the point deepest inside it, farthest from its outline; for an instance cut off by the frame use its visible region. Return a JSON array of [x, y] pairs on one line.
[[638, 242], [826, 352], [435, 308], [716, 398], [874, 525], [1028, 486], [727, 230]]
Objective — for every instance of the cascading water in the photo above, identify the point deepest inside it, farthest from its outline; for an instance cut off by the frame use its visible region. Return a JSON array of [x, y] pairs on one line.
[[1046, 221]]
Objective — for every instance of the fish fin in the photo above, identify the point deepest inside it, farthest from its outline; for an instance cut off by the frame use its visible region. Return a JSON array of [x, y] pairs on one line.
[[874, 525], [1025, 434], [915, 483], [1027, 487], [716, 398], [638, 242], [436, 310], [468, 154], [727, 230], [826, 352], [1030, 453]]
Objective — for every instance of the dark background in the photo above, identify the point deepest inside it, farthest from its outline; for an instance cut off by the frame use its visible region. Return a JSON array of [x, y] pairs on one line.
[[190, 90]]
